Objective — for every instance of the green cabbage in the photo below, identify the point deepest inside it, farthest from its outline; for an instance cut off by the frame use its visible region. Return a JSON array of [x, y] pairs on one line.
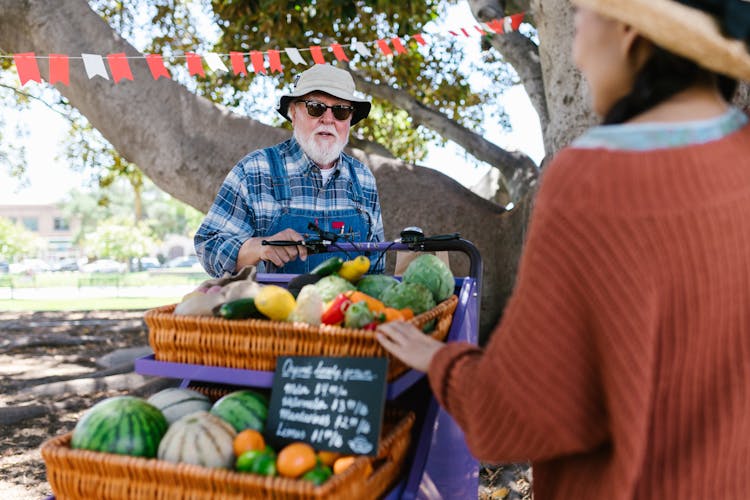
[[432, 273], [375, 284], [412, 295], [330, 286]]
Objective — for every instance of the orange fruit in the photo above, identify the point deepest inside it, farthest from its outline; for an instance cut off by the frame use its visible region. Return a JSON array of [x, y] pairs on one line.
[[295, 459], [328, 457], [247, 440], [341, 464]]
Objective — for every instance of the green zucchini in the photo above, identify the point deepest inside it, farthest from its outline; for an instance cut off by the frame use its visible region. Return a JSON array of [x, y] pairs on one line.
[[240, 309], [328, 266]]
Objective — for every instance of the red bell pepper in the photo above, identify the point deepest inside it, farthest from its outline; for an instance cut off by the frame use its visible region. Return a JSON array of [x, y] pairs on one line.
[[336, 311]]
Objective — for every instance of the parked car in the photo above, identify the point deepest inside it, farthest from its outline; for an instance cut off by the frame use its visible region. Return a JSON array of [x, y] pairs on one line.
[[146, 263], [66, 265], [184, 261], [29, 266], [4, 268], [104, 266]]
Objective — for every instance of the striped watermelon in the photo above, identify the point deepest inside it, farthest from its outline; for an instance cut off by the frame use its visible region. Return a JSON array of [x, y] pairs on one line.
[[122, 424], [176, 402], [244, 409], [199, 439]]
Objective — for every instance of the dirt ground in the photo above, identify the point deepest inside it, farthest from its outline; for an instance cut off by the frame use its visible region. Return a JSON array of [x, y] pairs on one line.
[[53, 366]]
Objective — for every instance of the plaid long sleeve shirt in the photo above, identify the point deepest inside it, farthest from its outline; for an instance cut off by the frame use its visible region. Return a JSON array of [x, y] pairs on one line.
[[245, 205]]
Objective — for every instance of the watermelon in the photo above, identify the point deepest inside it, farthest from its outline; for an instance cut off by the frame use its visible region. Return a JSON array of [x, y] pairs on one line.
[[199, 439], [375, 284], [177, 402], [243, 409], [125, 425], [432, 273]]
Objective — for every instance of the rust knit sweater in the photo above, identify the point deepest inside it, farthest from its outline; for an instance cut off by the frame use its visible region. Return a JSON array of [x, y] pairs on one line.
[[621, 367]]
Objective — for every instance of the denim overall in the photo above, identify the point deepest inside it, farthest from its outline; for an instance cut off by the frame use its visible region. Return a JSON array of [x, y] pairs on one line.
[[355, 220]]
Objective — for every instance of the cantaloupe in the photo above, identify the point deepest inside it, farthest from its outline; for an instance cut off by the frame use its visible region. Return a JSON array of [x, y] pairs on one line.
[[200, 439]]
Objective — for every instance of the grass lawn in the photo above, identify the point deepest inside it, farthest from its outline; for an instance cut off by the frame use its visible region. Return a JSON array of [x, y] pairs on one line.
[[86, 304], [145, 278]]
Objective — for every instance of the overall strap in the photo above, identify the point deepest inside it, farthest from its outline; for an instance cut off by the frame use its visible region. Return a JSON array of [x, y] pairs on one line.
[[359, 197], [279, 178]]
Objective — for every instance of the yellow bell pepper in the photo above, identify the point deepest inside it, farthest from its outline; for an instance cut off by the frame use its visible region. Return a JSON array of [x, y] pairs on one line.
[[352, 270]]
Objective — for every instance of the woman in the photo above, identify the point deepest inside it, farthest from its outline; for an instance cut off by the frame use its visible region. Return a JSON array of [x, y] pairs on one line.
[[620, 366]]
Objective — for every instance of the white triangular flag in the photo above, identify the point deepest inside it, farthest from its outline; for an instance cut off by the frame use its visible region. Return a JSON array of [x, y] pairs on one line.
[[214, 62], [362, 49], [295, 56], [94, 65]]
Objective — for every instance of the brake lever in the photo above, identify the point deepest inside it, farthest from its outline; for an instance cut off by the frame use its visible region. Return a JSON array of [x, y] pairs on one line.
[[315, 246]]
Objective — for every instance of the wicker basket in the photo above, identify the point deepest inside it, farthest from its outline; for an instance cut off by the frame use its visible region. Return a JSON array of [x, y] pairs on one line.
[[85, 475], [254, 344]]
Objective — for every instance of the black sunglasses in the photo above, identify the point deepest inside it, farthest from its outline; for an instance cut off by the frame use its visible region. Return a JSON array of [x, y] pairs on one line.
[[317, 108]]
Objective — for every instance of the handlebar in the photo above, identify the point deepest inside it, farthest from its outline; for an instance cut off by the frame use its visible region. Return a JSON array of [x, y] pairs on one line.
[[416, 243]]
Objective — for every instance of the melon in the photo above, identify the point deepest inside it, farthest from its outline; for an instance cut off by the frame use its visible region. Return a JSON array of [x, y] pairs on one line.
[[243, 409], [125, 425], [432, 273], [199, 439], [177, 402]]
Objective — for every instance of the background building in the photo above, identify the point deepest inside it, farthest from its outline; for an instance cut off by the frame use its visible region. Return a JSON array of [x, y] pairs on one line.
[[50, 225]]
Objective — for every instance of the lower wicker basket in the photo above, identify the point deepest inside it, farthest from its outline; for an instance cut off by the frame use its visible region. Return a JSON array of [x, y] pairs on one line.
[[254, 344], [86, 475]]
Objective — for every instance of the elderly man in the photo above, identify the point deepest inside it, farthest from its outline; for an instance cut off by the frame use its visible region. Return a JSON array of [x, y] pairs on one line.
[[277, 192]]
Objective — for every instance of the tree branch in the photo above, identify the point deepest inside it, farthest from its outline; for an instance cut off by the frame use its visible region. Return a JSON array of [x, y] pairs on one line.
[[517, 168]]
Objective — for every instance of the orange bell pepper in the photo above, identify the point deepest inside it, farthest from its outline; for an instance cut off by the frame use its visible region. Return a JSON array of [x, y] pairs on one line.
[[373, 304], [407, 312]]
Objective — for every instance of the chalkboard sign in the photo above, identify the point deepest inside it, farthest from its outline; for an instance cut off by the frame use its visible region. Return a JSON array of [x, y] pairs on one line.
[[331, 403]]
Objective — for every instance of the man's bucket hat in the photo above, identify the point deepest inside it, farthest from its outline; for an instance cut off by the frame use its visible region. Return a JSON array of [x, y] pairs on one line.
[[689, 28], [331, 80]]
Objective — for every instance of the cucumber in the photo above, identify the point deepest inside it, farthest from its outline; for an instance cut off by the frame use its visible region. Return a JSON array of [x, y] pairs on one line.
[[328, 266], [240, 309]]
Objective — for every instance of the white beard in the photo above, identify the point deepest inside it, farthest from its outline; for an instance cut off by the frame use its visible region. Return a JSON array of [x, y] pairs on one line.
[[321, 154]]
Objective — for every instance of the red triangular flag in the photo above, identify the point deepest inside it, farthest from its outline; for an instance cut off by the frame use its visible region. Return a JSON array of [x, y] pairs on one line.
[[396, 41], [238, 63], [118, 65], [274, 61], [515, 20], [194, 64], [419, 39], [495, 25], [480, 29], [59, 69], [27, 67], [156, 65], [338, 51], [257, 59], [317, 54], [466, 33], [453, 33], [384, 47]]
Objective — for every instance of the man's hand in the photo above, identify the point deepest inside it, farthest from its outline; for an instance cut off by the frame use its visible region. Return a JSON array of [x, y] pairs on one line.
[[253, 251], [408, 344]]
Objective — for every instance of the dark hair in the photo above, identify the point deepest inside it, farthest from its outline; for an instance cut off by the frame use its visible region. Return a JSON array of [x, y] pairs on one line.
[[664, 75]]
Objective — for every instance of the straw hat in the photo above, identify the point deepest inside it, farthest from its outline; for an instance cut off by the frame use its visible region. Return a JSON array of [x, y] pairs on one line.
[[331, 80], [685, 31]]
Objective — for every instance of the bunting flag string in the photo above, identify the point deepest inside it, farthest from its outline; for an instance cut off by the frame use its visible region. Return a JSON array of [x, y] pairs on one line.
[[261, 63]]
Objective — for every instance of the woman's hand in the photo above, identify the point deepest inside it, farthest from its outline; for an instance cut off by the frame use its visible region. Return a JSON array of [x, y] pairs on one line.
[[408, 343], [253, 251]]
